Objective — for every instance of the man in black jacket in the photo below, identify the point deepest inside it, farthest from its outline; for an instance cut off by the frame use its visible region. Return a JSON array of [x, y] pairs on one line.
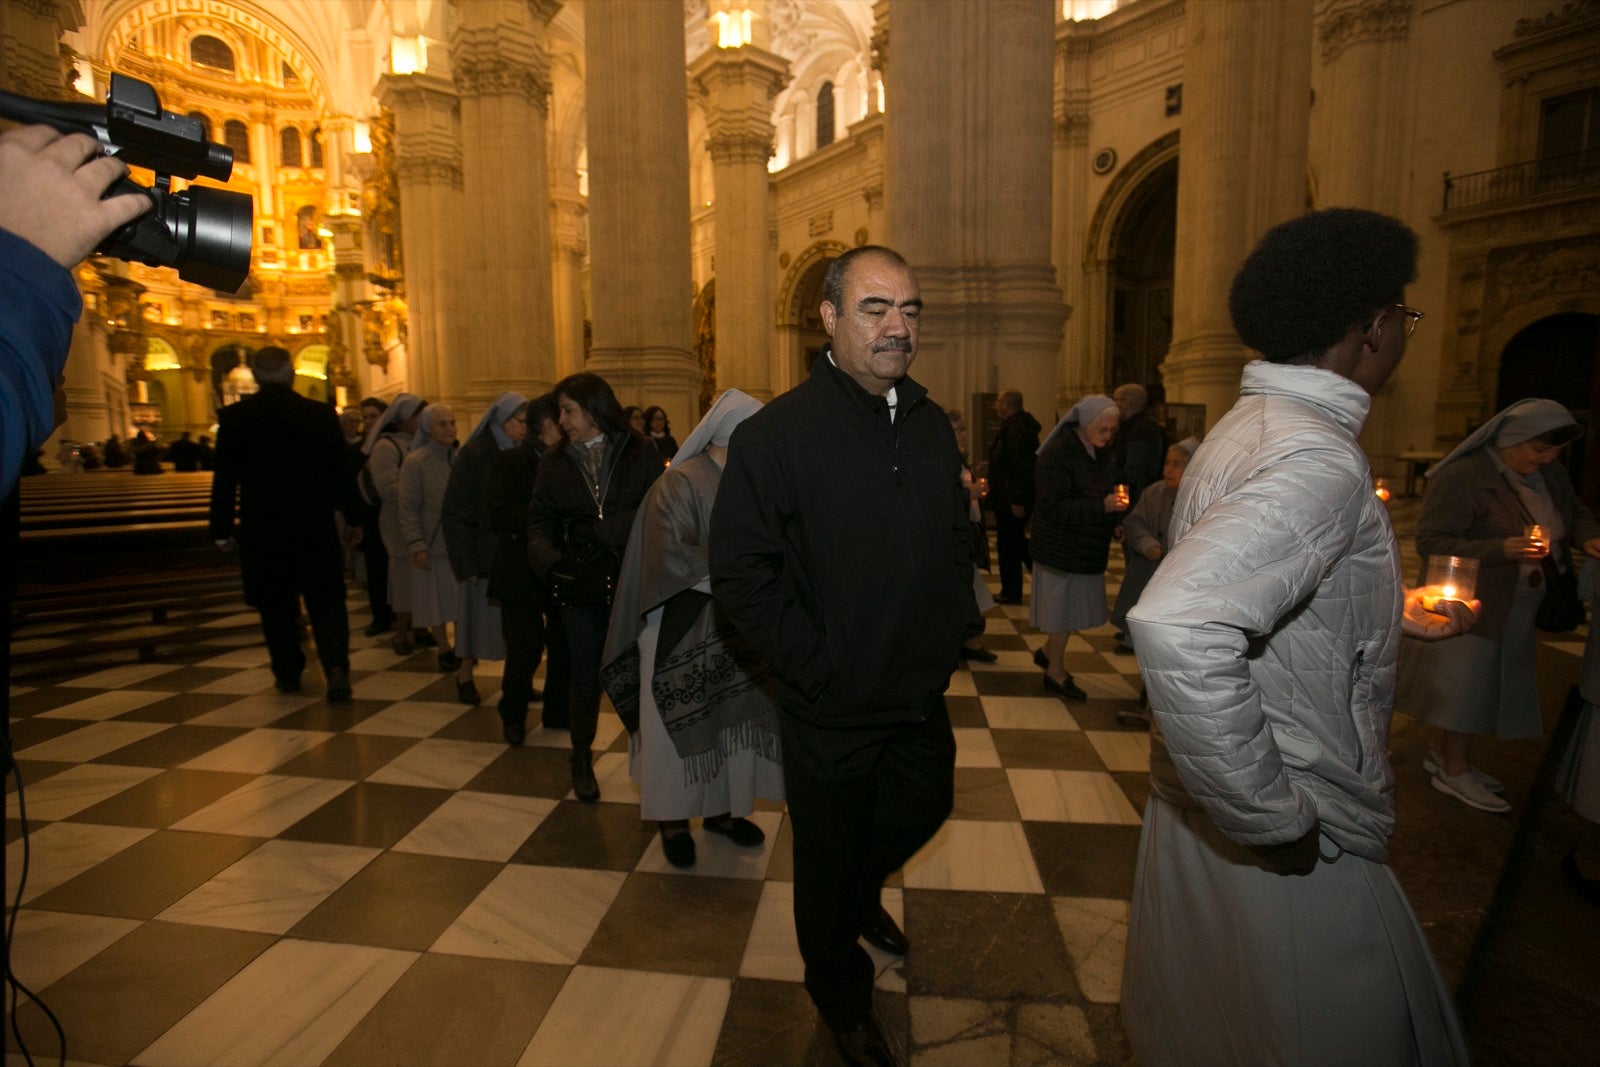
[[1011, 460], [840, 548], [283, 455]]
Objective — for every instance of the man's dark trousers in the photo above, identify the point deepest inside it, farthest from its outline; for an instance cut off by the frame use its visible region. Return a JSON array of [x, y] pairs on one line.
[[376, 557], [861, 803], [531, 631], [281, 576], [1011, 545]]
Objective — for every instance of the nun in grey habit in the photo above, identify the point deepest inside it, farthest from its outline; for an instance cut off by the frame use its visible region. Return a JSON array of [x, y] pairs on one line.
[[703, 726]]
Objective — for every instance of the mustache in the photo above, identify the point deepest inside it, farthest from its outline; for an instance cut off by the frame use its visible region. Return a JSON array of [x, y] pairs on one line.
[[893, 344]]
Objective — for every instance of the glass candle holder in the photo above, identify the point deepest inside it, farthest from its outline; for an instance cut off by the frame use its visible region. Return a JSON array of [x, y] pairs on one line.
[[1450, 578], [1381, 490], [1537, 535], [1121, 492]]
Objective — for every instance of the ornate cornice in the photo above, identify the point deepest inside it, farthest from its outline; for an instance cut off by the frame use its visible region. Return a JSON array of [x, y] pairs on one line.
[[729, 146], [431, 169], [1568, 15], [1542, 271], [1368, 20], [1073, 128], [484, 71]]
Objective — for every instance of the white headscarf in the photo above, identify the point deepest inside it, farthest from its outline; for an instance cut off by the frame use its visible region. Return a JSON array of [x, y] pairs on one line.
[[405, 405], [505, 405], [1522, 421], [425, 423], [1188, 444], [729, 410], [1083, 413]]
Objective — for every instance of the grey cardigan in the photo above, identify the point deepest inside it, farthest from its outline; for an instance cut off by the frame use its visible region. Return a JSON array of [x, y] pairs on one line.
[[1470, 509]]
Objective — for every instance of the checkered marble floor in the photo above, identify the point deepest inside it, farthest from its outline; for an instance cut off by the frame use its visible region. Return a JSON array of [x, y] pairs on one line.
[[219, 873]]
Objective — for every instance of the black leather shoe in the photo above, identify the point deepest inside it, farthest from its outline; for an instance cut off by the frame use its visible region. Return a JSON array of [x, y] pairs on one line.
[[738, 830], [287, 684], [584, 787], [514, 731], [339, 686], [378, 626], [467, 693], [678, 847], [1041, 660], [863, 1045], [1065, 690], [423, 639], [449, 661], [1008, 598], [982, 655], [881, 931]]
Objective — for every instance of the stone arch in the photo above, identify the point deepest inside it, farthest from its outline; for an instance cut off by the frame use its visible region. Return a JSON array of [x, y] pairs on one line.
[[1133, 174], [789, 290], [799, 326]]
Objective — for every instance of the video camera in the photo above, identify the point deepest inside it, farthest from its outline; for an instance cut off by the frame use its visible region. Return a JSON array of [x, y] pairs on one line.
[[205, 233]]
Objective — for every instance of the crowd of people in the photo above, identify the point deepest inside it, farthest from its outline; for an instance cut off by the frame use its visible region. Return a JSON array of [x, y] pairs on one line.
[[777, 605], [142, 452]]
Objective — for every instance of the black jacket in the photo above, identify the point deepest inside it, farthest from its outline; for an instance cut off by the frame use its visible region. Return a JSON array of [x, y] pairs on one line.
[[1011, 462], [563, 509], [511, 477], [1071, 529], [469, 535], [840, 548], [1141, 451]]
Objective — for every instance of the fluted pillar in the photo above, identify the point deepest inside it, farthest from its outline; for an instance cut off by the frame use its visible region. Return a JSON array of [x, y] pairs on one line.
[[640, 282], [569, 247], [1246, 102], [969, 157], [1083, 365], [1364, 87], [739, 84], [427, 153], [506, 337]]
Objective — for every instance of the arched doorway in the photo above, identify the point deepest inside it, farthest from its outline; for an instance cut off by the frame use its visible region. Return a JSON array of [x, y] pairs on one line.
[[1139, 289], [800, 332], [1555, 358], [230, 378], [807, 317]]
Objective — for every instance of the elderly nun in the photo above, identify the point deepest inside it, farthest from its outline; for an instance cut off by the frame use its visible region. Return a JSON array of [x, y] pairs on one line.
[[386, 446], [469, 535], [703, 726], [1480, 502]]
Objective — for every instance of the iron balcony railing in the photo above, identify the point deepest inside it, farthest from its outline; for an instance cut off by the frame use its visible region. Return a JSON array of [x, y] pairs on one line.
[[1536, 177]]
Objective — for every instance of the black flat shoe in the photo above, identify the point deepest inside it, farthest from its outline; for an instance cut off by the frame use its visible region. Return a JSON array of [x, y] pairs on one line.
[[1041, 660], [424, 639], [584, 786], [514, 732], [467, 693], [449, 661], [288, 685], [881, 931], [739, 831], [863, 1045], [339, 686], [982, 655], [1065, 690], [678, 847], [1006, 598]]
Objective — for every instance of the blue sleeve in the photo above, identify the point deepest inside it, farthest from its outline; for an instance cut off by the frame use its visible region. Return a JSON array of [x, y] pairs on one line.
[[38, 305]]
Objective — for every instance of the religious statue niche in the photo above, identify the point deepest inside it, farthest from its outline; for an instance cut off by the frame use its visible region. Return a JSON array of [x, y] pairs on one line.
[[306, 226]]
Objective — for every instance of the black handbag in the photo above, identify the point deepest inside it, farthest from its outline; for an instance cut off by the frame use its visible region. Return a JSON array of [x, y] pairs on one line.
[[1561, 610]]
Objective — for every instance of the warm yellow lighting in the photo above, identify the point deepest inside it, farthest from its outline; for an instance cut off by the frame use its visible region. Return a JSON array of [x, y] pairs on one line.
[[361, 137], [733, 28], [1084, 10], [408, 55]]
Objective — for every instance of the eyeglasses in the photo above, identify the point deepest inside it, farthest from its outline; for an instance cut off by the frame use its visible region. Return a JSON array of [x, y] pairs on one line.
[[1411, 314]]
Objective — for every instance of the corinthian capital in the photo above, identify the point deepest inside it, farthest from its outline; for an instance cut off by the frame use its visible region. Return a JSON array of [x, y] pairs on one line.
[[1364, 20]]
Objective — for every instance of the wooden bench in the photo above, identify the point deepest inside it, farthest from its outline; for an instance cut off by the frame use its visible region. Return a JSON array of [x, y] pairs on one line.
[[98, 524]]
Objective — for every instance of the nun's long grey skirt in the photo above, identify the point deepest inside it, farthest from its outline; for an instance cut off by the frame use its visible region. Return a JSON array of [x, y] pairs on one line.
[[1063, 603], [1228, 963]]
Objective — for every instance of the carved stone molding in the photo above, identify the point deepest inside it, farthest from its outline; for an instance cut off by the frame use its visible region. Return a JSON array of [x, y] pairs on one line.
[[1537, 272], [1073, 128], [735, 147], [1569, 14], [1368, 20], [429, 170], [496, 75]]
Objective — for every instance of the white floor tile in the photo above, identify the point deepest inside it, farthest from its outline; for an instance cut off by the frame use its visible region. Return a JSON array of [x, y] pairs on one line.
[[261, 709], [715, 855], [264, 807], [117, 677], [76, 788], [1121, 750], [272, 888], [258, 751], [477, 826], [991, 857], [60, 851], [91, 741], [1027, 713], [647, 1019], [107, 705], [317, 991], [409, 718], [541, 914], [1070, 796], [439, 763], [975, 748], [240, 683], [1096, 935], [51, 943]]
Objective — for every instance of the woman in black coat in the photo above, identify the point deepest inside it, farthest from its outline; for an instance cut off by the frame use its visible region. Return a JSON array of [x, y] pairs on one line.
[[584, 500], [1076, 508]]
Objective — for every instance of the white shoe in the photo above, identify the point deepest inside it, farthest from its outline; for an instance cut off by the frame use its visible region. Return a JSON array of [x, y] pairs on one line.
[[1433, 765], [1468, 790]]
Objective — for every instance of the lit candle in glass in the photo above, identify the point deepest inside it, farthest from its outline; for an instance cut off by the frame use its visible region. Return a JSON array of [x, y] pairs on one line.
[[1380, 490], [1121, 492], [1450, 578], [1536, 534]]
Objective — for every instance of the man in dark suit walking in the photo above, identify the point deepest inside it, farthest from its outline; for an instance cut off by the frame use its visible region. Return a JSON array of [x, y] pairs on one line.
[[1011, 459], [282, 455]]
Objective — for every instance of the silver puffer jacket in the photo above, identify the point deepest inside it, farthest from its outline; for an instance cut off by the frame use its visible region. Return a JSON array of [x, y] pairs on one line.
[[1269, 635]]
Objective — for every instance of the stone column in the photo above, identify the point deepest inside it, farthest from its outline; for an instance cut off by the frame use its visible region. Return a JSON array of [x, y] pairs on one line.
[[969, 199], [506, 338], [739, 84], [1083, 364], [427, 150], [641, 286], [569, 226], [1246, 103], [30, 58], [1361, 132]]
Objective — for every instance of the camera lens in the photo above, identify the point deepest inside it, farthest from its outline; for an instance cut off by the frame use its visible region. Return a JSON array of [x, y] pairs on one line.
[[213, 229]]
